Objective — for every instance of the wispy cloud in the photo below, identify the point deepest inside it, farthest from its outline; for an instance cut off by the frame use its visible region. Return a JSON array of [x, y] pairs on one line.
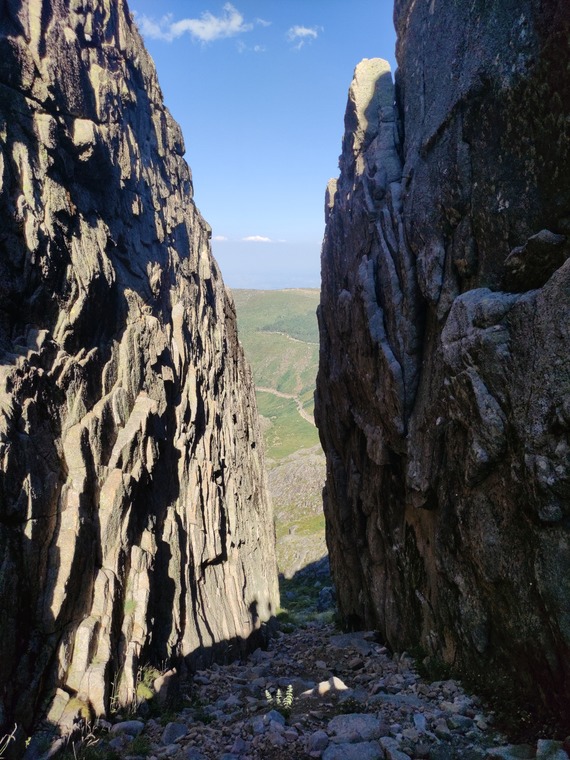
[[262, 22], [243, 48], [256, 239], [301, 35], [220, 238], [207, 28]]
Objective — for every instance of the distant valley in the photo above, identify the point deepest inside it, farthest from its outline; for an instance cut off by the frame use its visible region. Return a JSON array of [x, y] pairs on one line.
[[279, 332]]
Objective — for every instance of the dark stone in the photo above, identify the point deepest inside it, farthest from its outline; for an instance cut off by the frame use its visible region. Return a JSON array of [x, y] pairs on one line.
[[442, 400], [531, 265], [442, 752], [172, 732]]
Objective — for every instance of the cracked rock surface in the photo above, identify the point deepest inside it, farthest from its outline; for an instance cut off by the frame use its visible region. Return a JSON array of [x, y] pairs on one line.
[[134, 521], [442, 396]]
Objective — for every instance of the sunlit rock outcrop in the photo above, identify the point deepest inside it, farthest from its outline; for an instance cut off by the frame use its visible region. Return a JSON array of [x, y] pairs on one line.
[[134, 523], [443, 387]]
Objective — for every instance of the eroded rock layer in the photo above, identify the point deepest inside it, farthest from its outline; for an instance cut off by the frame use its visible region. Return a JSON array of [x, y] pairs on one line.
[[444, 383], [134, 523]]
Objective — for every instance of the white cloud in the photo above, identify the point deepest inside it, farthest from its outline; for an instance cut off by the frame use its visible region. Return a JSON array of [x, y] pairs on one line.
[[256, 239], [220, 238], [207, 28], [243, 48], [262, 22], [156, 30], [302, 34]]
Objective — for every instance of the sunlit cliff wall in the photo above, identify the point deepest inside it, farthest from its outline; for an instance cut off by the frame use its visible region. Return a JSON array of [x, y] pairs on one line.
[[134, 522]]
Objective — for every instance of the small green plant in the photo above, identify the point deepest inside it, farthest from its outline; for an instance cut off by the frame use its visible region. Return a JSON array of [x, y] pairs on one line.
[[114, 704], [5, 741], [287, 621], [144, 691], [282, 701], [79, 710], [146, 676], [87, 745]]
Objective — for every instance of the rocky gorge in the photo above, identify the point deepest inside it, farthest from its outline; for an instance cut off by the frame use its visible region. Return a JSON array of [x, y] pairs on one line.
[[134, 521], [137, 545], [442, 395]]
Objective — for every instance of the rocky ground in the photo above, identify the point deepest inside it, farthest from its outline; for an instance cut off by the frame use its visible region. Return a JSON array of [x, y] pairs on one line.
[[296, 488], [315, 693]]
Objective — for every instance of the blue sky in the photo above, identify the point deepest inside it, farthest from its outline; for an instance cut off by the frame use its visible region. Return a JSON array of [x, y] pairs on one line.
[[259, 88]]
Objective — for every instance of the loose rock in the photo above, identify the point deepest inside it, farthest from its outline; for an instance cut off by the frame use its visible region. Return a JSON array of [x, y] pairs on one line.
[[417, 719]]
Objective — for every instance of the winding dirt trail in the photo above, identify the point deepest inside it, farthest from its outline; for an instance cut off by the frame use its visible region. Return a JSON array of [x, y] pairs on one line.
[[290, 337], [305, 415]]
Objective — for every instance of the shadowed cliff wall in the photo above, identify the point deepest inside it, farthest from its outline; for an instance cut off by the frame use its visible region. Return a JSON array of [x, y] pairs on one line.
[[134, 522], [442, 396]]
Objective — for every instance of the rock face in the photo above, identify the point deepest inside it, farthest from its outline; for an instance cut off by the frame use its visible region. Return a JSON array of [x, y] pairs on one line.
[[443, 389], [134, 524]]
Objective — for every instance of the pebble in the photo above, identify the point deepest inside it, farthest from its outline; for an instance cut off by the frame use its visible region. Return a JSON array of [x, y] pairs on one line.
[[358, 751], [132, 727], [173, 732], [420, 722], [374, 707], [120, 742], [547, 749], [276, 739], [239, 746], [512, 752], [333, 684], [363, 727], [317, 742], [193, 754], [392, 749], [274, 717]]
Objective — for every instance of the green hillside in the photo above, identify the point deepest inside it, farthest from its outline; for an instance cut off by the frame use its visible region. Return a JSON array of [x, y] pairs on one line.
[[292, 312], [279, 332], [288, 431]]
